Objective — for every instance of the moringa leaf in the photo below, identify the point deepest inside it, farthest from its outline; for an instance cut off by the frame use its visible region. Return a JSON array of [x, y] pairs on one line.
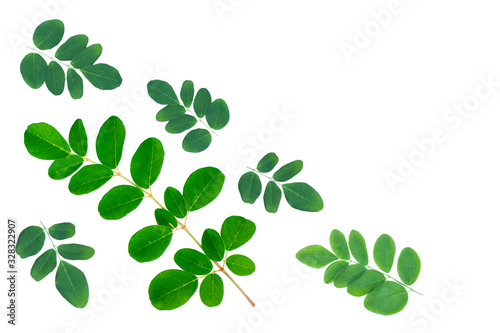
[[240, 265], [165, 218], [408, 266], [366, 283], [187, 93], [34, 70], [102, 76], [348, 275], [45, 142], [201, 102], [338, 244], [357, 245], [172, 288], [147, 162], [288, 171], [268, 162], [89, 178], [109, 143], [78, 138], [55, 78], [65, 167], [250, 187], [212, 290], [119, 202], [162, 92], [149, 243], [389, 298], [303, 197], [30, 241], [75, 251], [384, 252], [48, 34], [72, 284], [44, 265], [181, 124], [333, 269], [197, 140], [61, 231], [212, 245], [218, 114], [236, 231], [175, 203], [170, 112], [193, 261], [71, 47], [75, 84], [87, 57], [315, 256], [272, 197], [202, 187]]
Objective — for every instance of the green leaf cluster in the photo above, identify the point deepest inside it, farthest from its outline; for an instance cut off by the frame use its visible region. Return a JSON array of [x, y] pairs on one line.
[[348, 268], [299, 195], [70, 281], [75, 50], [175, 113]]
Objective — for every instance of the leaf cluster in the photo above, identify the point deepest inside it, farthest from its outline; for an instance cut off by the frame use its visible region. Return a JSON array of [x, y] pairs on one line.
[[299, 195], [175, 114], [75, 50], [70, 281], [382, 296]]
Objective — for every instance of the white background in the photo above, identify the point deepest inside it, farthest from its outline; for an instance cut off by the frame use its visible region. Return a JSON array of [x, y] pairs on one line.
[[351, 122]]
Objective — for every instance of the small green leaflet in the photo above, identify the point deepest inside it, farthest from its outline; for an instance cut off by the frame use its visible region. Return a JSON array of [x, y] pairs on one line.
[[87, 56], [78, 138], [44, 265], [303, 197], [382, 296], [236, 231], [250, 187], [212, 245], [149, 243], [119, 202], [65, 167], [147, 162], [71, 47], [181, 124], [89, 178], [102, 76], [240, 265], [193, 261], [202, 187], [34, 70], [201, 102], [212, 290], [75, 251], [48, 34], [72, 284], [44, 142], [55, 78], [30, 241], [162, 93], [175, 203], [288, 171], [218, 114], [172, 288], [187, 93], [170, 112], [75, 84], [61, 231], [268, 162], [197, 140], [272, 197], [165, 218], [110, 140]]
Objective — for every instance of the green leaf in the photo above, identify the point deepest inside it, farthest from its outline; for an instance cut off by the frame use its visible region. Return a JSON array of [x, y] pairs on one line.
[[175, 203], [303, 197], [348, 275], [357, 245], [212, 290], [193, 261], [75, 251], [212, 245], [72, 284], [218, 114], [288, 171], [197, 140], [75, 84], [34, 70], [44, 142], [384, 252], [89, 178], [315, 256], [165, 218], [366, 283], [62, 230], [240, 265], [389, 298], [78, 138], [102, 76], [201, 102], [109, 143], [272, 197], [149, 243], [30, 241], [268, 162], [333, 269], [65, 167], [48, 34], [172, 288], [339, 244], [119, 202], [408, 266], [162, 93], [170, 112], [187, 93], [236, 231], [44, 265], [147, 162], [87, 57], [202, 187], [55, 78], [250, 187], [181, 124], [72, 47]]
